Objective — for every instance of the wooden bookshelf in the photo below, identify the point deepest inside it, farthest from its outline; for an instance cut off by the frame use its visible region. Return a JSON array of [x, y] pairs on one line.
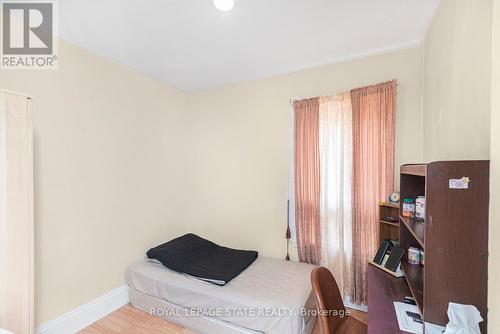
[[453, 235]]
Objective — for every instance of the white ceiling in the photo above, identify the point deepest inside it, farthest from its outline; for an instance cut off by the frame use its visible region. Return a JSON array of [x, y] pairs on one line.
[[192, 46]]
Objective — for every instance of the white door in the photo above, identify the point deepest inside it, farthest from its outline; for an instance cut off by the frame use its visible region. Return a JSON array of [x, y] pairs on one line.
[[16, 214]]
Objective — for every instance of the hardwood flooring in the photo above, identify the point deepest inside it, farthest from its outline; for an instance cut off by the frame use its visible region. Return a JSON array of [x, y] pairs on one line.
[[130, 320]]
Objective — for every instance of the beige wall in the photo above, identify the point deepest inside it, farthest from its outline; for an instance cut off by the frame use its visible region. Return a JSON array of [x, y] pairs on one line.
[[238, 166], [457, 70], [494, 265], [459, 99], [109, 173]]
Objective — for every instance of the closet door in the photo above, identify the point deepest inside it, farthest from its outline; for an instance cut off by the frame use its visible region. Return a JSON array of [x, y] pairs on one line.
[[16, 214]]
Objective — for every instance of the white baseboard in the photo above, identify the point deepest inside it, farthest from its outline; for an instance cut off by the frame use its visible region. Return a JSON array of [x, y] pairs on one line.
[[359, 307], [87, 314]]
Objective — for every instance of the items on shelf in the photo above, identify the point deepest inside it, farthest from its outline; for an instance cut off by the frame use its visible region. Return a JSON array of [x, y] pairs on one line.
[[394, 197], [415, 256], [390, 219], [420, 208], [408, 207], [410, 300], [389, 256], [382, 251], [394, 259]]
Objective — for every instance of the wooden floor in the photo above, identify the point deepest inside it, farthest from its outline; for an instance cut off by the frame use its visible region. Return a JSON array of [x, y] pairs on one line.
[[130, 320]]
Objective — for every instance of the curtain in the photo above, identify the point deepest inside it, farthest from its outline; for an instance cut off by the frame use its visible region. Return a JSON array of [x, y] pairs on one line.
[[335, 142], [307, 180], [374, 131]]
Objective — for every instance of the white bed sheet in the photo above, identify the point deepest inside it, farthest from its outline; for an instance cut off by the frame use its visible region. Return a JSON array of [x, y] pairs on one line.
[[270, 296]]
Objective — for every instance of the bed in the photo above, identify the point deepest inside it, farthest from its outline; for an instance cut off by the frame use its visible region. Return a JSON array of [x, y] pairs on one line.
[[270, 296]]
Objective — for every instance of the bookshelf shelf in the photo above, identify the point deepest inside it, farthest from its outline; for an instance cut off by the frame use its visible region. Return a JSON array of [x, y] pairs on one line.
[[416, 228], [389, 205], [389, 223], [397, 273], [388, 229], [417, 170], [414, 274]]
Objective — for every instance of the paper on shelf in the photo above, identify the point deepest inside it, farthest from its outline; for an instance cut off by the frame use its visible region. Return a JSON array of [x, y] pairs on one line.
[[406, 322]]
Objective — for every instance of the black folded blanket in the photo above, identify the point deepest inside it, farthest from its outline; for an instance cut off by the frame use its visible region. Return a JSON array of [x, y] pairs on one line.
[[202, 259]]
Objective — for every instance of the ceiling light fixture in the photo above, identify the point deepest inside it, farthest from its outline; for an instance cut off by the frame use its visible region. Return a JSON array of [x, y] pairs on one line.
[[224, 5]]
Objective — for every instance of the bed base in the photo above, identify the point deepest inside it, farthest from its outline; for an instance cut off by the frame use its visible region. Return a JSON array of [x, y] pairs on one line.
[[200, 324]]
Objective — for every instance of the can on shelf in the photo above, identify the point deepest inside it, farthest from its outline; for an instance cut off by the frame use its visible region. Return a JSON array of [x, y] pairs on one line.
[[420, 207], [413, 255], [408, 207]]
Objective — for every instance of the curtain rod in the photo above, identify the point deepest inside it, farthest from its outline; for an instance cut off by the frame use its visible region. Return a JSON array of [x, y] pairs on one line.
[[299, 98]]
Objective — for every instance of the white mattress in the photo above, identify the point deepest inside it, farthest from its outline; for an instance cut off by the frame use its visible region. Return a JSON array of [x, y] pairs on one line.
[[268, 297]]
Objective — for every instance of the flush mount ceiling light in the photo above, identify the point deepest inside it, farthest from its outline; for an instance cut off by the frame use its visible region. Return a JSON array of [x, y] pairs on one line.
[[224, 5]]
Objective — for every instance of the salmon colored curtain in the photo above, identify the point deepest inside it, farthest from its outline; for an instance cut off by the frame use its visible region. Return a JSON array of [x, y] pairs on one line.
[[307, 180], [374, 132]]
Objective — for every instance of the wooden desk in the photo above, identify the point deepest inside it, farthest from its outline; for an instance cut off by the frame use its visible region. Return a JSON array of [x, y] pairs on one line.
[[383, 291]]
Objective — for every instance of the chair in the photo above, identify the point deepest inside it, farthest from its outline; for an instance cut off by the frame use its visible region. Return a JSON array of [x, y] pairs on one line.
[[331, 309]]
